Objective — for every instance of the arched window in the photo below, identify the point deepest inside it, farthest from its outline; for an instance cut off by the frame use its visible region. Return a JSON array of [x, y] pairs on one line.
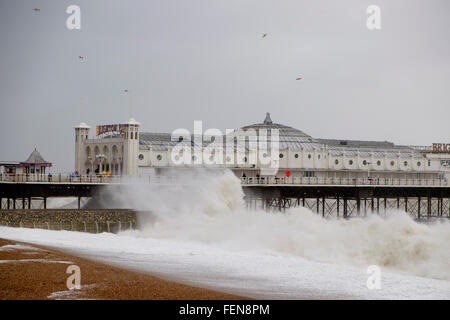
[[115, 153], [106, 152]]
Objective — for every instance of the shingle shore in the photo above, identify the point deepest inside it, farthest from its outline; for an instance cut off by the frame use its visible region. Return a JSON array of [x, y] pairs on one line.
[[41, 280]]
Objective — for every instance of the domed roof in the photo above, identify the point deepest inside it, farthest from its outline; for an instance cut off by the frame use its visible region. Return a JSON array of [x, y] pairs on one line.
[[291, 138], [132, 121], [82, 125]]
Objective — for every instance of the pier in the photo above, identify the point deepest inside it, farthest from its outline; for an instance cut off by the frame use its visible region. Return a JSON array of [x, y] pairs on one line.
[[347, 198]]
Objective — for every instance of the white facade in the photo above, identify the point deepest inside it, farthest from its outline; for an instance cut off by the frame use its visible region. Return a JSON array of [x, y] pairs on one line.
[[116, 154], [132, 152]]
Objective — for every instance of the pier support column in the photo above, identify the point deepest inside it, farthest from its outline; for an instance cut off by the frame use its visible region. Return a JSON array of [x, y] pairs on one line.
[[323, 207], [406, 204], [45, 203], [1, 202], [358, 205], [23, 204], [79, 202], [14, 203], [7, 203], [378, 205], [29, 203], [345, 208], [317, 205], [337, 206], [418, 208]]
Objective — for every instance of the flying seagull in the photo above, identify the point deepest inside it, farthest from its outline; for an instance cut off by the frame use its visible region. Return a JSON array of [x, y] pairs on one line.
[[298, 79], [36, 9], [81, 57], [264, 35]]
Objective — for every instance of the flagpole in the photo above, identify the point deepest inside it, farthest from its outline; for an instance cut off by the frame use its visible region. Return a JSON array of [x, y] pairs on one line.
[[131, 102]]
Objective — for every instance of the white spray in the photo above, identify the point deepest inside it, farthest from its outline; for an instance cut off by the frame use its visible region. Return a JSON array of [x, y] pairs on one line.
[[209, 208]]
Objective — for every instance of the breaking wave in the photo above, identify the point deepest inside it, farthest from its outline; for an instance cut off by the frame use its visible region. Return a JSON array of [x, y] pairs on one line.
[[211, 210]]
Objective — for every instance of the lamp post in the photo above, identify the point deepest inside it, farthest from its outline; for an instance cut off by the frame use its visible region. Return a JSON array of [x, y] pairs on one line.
[[131, 101], [101, 157], [444, 165], [368, 170]]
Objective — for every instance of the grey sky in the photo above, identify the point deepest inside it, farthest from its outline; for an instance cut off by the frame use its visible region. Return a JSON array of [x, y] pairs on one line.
[[206, 60]]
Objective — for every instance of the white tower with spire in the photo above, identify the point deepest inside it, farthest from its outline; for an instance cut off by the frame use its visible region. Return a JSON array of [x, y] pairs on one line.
[[81, 135], [130, 135]]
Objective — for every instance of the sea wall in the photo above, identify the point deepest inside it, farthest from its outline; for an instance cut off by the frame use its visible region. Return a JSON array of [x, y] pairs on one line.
[[85, 220]]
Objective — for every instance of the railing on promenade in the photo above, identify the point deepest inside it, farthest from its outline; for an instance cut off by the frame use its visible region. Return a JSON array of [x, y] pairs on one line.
[[96, 179], [65, 178], [59, 178], [342, 181]]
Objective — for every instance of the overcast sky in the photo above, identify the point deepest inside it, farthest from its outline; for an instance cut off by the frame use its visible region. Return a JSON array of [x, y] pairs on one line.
[[206, 60]]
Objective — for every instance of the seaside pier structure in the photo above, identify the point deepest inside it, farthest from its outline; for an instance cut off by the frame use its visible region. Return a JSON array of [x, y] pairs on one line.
[[344, 178], [422, 199]]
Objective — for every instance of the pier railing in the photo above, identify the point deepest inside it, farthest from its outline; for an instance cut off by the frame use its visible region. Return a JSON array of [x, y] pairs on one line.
[[342, 181], [102, 179], [60, 178]]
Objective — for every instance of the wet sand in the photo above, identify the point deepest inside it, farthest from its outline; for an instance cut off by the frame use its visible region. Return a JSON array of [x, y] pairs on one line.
[[31, 272]]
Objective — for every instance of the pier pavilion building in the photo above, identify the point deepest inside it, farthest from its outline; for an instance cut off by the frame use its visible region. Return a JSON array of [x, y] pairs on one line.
[[122, 149]]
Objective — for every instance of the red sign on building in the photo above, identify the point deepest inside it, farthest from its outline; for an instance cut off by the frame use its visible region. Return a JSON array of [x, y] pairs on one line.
[[109, 128], [441, 147]]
